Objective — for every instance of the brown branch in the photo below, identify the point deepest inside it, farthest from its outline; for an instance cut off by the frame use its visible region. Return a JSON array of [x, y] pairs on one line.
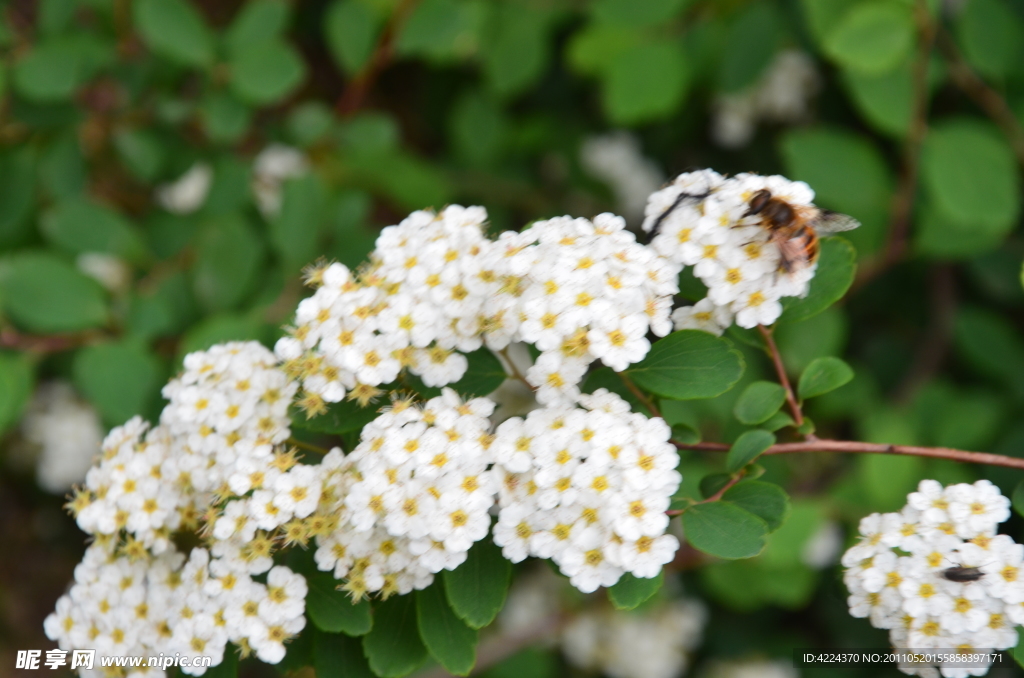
[[987, 99], [936, 339], [316, 449], [640, 395], [854, 447], [354, 95], [10, 338], [780, 369], [906, 189]]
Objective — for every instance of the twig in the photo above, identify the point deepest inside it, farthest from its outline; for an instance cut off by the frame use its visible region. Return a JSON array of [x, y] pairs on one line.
[[307, 446], [906, 190], [854, 447], [516, 374], [780, 369], [502, 646], [988, 99], [717, 496], [640, 395], [53, 343], [937, 335], [352, 98]]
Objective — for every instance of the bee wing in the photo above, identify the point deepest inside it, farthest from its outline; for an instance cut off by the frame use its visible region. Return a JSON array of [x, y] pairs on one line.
[[834, 222]]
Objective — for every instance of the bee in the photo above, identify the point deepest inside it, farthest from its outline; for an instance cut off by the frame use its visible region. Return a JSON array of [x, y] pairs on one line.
[[962, 575], [795, 229]]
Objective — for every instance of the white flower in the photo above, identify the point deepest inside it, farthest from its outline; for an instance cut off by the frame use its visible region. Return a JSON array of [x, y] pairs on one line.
[[188, 193]]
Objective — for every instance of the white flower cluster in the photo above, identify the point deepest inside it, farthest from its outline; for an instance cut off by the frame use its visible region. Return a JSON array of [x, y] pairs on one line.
[[702, 222], [651, 644], [68, 433], [421, 298], [120, 605], [937, 575], [411, 498], [588, 488], [581, 291], [781, 95], [617, 159]]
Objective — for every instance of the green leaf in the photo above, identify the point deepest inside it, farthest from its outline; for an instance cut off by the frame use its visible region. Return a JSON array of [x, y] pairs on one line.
[[16, 381], [141, 153], [296, 230], [343, 417], [483, 376], [753, 38], [478, 128], [689, 364], [339, 656], [122, 379], [686, 434], [228, 668], [476, 589], [1018, 498], [229, 257], [822, 16], [225, 119], [41, 293], [309, 122], [79, 225], [256, 23], [332, 610], [712, 483], [758, 402], [836, 268], [50, 71], [848, 174], [777, 421], [630, 13], [885, 100], [748, 447], [970, 174], [267, 72], [351, 32], [442, 30], [724, 530], [516, 51], [873, 37], [1018, 652], [393, 646], [991, 35], [17, 193], [631, 591], [175, 29], [594, 48], [646, 82], [823, 375], [449, 640], [765, 500]]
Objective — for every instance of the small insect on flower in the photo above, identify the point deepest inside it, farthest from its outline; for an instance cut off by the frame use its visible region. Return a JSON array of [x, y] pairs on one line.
[[962, 575], [795, 229]]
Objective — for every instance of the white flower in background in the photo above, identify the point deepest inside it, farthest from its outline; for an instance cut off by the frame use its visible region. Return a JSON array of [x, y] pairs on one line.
[[618, 160], [68, 433], [272, 167], [781, 95], [653, 644], [188, 193], [823, 547], [108, 270], [532, 600], [750, 668], [907, 573]]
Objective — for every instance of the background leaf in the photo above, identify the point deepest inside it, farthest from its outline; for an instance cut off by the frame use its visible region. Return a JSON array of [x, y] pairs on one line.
[[688, 364], [724, 530]]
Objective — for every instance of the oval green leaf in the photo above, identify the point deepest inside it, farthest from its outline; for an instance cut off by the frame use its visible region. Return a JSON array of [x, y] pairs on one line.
[[175, 29], [632, 591], [823, 375], [768, 501], [873, 37], [758, 402], [332, 610], [724, 530], [336, 655], [836, 268], [42, 293], [748, 447], [393, 647], [121, 379], [264, 73], [476, 589], [689, 364], [449, 639]]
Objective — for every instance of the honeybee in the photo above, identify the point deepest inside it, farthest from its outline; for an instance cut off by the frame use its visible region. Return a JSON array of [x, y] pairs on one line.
[[795, 229]]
